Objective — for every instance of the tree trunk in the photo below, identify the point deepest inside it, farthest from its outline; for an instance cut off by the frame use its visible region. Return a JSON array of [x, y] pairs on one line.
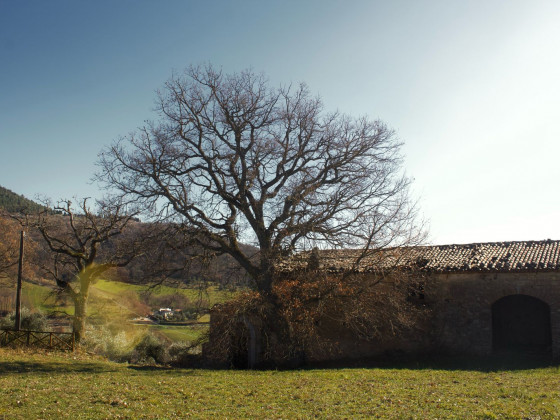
[[79, 323], [266, 275], [80, 307]]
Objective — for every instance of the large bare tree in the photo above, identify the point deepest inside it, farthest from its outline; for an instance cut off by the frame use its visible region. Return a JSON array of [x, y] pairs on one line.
[[236, 160]]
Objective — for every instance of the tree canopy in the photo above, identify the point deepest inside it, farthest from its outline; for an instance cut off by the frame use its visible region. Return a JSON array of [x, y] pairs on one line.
[[234, 160]]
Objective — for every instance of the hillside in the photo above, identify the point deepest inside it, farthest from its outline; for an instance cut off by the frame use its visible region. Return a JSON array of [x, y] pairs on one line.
[[116, 299], [222, 269], [117, 303], [13, 203]]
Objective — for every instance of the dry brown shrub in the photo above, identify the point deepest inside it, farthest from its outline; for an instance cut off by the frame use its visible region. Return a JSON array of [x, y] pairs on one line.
[[313, 316]]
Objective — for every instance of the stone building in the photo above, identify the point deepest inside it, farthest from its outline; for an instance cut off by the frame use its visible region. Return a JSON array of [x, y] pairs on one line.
[[495, 297], [484, 299]]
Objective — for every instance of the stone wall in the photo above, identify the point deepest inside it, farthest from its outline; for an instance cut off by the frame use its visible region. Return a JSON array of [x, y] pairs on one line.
[[462, 304]]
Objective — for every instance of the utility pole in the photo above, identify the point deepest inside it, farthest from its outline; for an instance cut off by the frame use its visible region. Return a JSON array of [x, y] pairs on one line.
[[18, 292]]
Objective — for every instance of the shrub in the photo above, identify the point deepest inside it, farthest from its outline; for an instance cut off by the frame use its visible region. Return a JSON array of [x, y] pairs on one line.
[[183, 354], [320, 316], [149, 350], [30, 321], [114, 345]]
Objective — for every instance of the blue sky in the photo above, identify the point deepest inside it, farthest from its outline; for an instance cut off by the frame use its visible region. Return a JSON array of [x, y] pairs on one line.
[[472, 88]]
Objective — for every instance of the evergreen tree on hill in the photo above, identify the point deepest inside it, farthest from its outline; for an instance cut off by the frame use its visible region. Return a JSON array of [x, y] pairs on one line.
[[14, 203]]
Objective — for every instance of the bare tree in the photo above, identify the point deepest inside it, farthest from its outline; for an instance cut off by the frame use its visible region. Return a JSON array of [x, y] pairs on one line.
[[83, 246], [236, 160]]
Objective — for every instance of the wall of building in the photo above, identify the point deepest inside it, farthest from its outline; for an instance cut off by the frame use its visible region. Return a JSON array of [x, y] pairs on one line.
[[462, 304], [458, 322]]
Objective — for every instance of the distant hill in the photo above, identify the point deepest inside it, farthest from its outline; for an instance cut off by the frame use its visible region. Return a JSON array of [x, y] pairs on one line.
[[13, 203]]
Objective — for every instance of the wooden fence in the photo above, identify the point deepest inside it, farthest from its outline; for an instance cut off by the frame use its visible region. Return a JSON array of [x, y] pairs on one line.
[[42, 339]]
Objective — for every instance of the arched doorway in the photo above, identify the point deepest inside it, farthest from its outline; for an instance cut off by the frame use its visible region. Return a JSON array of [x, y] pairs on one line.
[[239, 350], [243, 351], [521, 324]]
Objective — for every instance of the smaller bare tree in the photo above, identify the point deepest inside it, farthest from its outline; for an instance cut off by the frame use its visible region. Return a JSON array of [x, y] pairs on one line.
[[83, 246]]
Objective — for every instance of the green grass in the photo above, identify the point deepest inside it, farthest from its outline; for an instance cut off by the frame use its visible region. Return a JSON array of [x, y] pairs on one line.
[[114, 298], [112, 301], [179, 333], [76, 386], [40, 296], [212, 293]]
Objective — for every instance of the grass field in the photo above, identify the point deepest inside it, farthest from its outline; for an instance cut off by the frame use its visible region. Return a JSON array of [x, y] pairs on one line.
[[179, 333], [212, 293], [112, 300], [116, 304], [78, 386], [117, 296], [40, 297]]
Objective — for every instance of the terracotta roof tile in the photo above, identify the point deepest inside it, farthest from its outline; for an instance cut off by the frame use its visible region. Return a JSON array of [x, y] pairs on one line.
[[491, 256]]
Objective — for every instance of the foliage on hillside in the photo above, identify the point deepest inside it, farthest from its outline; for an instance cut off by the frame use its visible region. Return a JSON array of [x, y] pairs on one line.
[[218, 269], [162, 262], [9, 246], [14, 203]]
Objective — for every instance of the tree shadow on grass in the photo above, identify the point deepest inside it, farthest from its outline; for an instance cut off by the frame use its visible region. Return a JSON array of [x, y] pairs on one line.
[[53, 367], [498, 362], [150, 368], [162, 370], [18, 367]]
